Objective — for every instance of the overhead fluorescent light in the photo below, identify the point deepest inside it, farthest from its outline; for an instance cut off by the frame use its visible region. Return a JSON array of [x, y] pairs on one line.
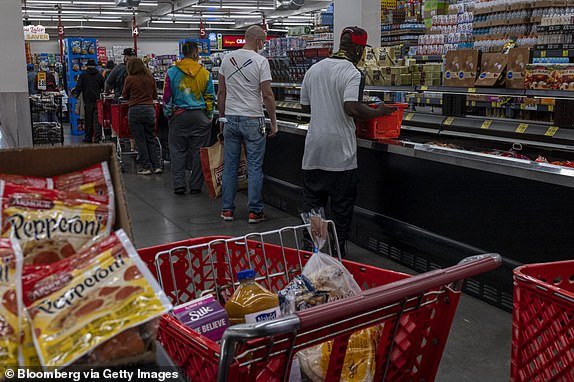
[[231, 7], [225, 16]]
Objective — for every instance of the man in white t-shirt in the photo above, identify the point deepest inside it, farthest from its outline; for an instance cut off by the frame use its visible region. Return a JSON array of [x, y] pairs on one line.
[[332, 92], [244, 86]]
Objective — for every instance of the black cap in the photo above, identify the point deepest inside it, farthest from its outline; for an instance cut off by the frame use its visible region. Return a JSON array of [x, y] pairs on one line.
[[91, 63], [129, 52]]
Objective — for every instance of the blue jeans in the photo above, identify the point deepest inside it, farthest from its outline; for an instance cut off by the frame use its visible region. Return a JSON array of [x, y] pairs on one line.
[[237, 131]]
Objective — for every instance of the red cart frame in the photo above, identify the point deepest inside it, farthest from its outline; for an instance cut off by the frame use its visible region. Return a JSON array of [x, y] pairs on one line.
[[543, 323], [417, 311]]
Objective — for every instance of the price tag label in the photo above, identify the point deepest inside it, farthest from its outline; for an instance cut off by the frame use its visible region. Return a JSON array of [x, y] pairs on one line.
[[471, 90], [418, 100], [473, 103], [448, 121], [564, 53], [409, 116], [543, 54], [441, 101], [551, 131], [423, 88], [550, 107], [522, 128], [428, 101], [486, 124]]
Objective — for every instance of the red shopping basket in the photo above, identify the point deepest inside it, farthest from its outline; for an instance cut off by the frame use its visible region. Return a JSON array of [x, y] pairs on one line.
[[385, 127], [104, 112], [120, 120], [417, 312], [543, 323], [120, 123]]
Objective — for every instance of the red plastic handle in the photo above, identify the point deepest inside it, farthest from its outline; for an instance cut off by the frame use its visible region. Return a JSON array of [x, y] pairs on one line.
[[396, 291]]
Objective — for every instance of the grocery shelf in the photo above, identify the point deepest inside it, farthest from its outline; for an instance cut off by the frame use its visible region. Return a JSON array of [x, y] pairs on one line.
[[400, 32], [391, 89], [554, 28]]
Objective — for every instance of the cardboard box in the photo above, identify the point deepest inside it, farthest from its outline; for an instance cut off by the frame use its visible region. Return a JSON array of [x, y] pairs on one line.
[[492, 70], [461, 67], [518, 59], [50, 161]]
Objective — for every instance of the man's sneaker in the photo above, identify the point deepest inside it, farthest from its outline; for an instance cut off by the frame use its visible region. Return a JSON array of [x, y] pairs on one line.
[[158, 171], [255, 218], [144, 172], [227, 216]]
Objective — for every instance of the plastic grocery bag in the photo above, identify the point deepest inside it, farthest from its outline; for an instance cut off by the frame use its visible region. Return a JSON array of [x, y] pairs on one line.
[[212, 167], [328, 275]]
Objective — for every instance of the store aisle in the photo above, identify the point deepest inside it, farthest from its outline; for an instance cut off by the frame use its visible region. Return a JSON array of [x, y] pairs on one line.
[[478, 349]]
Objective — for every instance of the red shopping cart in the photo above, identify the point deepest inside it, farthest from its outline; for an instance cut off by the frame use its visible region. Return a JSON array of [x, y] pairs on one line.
[[543, 323], [121, 128], [417, 311]]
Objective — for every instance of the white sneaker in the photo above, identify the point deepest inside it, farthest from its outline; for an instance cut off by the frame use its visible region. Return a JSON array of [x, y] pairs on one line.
[[144, 172], [158, 171]]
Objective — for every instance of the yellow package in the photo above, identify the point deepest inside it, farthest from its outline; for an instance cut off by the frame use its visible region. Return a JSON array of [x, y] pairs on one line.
[[28, 354], [52, 225], [80, 303], [360, 358], [11, 294]]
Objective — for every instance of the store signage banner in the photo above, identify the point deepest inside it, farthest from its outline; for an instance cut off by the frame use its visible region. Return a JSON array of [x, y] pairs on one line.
[[35, 33], [236, 41]]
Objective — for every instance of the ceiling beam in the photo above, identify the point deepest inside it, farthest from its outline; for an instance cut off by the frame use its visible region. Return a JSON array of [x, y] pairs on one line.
[[164, 8]]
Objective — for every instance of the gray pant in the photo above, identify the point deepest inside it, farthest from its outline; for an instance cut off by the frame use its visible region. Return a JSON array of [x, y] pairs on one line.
[[142, 125], [188, 132]]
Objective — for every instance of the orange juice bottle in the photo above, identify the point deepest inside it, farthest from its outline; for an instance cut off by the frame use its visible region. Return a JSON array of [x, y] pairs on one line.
[[251, 303]]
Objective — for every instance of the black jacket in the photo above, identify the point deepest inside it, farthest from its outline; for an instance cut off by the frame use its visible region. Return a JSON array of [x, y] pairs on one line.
[[90, 85], [116, 79]]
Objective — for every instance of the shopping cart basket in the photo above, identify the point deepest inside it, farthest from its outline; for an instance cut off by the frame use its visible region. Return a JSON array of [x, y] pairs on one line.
[[417, 312], [543, 323], [46, 114], [121, 129]]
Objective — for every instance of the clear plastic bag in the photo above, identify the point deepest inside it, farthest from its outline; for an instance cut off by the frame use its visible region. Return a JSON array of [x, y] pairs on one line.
[[328, 275]]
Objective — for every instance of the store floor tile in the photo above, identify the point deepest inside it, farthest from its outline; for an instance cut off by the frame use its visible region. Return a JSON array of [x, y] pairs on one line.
[[478, 348]]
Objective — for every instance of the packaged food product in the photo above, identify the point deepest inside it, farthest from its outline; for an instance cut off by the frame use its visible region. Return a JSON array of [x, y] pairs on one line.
[[300, 294], [30, 181], [204, 315], [360, 358], [95, 180], [11, 294], [492, 70], [517, 61], [50, 224], [251, 302], [83, 302], [461, 67]]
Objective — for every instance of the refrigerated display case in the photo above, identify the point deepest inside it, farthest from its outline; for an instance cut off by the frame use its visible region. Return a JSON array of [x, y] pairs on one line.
[[470, 184]]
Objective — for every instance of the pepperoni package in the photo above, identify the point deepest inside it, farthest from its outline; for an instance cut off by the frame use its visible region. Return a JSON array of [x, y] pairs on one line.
[[11, 294], [95, 180], [94, 307], [29, 181], [51, 225]]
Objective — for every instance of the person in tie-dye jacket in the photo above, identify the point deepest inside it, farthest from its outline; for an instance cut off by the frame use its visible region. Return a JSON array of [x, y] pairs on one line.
[[189, 99]]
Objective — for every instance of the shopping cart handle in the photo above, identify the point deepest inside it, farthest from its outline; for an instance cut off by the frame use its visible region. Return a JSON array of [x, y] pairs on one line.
[[239, 333], [397, 291]]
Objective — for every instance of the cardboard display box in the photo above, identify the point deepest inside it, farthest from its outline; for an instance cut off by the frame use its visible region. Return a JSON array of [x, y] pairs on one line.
[[461, 67], [518, 59], [492, 70], [51, 161]]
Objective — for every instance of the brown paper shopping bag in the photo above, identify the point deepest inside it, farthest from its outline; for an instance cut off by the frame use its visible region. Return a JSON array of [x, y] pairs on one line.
[[212, 166]]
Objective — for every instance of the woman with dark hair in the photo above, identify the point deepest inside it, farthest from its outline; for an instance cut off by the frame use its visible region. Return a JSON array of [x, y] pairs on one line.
[[140, 91]]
